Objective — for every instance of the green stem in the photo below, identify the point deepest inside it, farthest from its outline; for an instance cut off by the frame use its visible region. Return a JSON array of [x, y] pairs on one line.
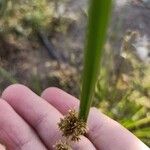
[[97, 26], [138, 123]]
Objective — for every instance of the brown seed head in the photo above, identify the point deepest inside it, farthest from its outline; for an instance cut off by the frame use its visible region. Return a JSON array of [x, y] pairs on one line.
[[62, 146], [72, 127]]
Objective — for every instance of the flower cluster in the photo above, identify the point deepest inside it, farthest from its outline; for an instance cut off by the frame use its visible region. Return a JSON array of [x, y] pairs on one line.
[[72, 127]]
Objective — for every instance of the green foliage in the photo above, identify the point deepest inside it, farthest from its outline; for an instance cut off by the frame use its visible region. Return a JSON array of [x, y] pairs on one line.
[[98, 19], [36, 84], [35, 14], [126, 97], [25, 16], [6, 75], [3, 6]]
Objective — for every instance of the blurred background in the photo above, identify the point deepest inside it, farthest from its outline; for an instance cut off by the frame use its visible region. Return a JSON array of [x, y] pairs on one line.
[[41, 45]]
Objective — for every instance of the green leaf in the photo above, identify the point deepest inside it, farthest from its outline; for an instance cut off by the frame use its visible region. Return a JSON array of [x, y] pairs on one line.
[[99, 12], [143, 133], [7, 76], [138, 123], [3, 7]]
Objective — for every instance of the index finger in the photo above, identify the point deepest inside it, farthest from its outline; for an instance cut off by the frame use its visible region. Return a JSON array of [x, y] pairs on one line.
[[105, 133]]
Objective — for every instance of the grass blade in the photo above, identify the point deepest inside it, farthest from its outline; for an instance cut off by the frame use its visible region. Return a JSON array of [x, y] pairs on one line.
[[96, 31], [143, 133], [7, 76], [138, 123]]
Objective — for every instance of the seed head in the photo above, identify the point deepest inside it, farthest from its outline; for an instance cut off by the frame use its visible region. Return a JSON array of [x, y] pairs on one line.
[[62, 146], [72, 127]]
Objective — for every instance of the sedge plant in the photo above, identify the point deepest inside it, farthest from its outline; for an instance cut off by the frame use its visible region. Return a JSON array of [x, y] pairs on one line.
[[74, 124], [96, 32]]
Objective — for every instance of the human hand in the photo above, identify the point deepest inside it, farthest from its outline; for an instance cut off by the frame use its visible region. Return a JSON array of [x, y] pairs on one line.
[[29, 122]]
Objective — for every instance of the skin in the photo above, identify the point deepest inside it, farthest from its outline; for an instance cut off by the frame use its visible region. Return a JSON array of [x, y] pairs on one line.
[[29, 121]]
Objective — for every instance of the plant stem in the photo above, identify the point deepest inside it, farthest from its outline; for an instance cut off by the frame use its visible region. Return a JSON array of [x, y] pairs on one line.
[[96, 31], [138, 123]]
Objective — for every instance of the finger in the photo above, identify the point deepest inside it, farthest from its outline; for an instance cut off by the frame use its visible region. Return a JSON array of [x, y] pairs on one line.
[[42, 116], [60, 99], [37, 112], [104, 132], [2, 147], [14, 132]]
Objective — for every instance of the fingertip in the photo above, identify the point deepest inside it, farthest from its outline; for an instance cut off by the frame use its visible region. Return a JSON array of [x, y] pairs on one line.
[[60, 99], [14, 90], [51, 92]]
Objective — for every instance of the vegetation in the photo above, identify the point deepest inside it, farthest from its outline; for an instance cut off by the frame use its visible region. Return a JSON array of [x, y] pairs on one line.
[[121, 92], [125, 96], [98, 19]]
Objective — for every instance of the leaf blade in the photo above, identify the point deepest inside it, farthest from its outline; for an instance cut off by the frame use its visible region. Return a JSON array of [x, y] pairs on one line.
[[97, 26]]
